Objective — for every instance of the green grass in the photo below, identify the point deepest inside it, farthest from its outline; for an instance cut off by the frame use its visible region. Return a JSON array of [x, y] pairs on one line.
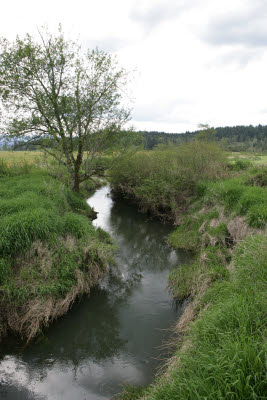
[[46, 235], [239, 198], [225, 355], [222, 353]]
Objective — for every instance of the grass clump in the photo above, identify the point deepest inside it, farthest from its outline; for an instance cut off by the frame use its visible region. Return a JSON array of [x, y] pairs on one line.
[[240, 199], [259, 178], [240, 165]]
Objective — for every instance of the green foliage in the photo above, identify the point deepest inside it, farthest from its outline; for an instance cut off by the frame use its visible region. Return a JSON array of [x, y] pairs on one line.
[[219, 233], [186, 237], [19, 230], [234, 138], [4, 170], [77, 203], [189, 235], [77, 226], [15, 169], [240, 165], [223, 356], [77, 111], [240, 199], [259, 178], [206, 133], [182, 280], [45, 237], [257, 215], [165, 181], [5, 270]]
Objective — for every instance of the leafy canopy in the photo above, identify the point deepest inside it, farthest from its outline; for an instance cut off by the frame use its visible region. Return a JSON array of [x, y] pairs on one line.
[[63, 100]]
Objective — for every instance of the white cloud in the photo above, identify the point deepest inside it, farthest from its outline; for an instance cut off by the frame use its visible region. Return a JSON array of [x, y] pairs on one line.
[[196, 60], [243, 26], [152, 13]]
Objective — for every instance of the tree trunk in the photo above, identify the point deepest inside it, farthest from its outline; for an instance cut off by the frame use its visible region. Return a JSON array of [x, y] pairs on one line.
[[76, 182]]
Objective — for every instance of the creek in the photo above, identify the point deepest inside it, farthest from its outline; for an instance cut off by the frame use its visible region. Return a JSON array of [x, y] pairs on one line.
[[113, 337]]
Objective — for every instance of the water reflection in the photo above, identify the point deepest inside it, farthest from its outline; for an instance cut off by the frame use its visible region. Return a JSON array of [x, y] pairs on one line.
[[112, 337]]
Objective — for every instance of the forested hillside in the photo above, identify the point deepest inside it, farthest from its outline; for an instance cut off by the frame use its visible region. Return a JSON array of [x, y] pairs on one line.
[[235, 138]]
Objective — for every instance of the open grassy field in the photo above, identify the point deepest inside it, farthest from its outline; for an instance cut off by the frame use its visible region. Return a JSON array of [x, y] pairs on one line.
[[258, 158], [32, 157], [19, 157]]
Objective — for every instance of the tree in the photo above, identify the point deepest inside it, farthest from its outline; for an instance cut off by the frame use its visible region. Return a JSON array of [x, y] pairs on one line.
[[206, 133], [65, 101]]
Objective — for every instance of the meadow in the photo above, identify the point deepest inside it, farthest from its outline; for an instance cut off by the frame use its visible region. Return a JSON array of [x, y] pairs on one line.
[[20, 157]]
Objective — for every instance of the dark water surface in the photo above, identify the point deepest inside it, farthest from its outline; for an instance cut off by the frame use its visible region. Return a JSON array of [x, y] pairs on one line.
[[112, 337]]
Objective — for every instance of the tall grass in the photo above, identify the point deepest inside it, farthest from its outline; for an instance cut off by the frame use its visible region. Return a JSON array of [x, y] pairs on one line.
[[163, 181], [46, 234], [223, 355], [240, 199]]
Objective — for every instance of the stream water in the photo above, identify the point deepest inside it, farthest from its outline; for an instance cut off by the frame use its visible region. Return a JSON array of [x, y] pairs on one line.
[[112, 337]]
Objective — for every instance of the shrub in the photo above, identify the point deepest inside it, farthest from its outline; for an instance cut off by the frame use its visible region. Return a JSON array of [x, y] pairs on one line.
[[240, 165], [165, 181]]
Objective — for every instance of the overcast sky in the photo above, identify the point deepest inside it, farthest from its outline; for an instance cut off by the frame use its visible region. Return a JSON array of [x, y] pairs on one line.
[[196, 61]]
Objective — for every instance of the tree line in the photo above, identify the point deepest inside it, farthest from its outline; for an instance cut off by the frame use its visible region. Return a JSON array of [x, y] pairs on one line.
[[234, 138]]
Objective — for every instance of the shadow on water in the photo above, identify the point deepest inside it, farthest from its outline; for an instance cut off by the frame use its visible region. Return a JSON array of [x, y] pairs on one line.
[[112, 337]]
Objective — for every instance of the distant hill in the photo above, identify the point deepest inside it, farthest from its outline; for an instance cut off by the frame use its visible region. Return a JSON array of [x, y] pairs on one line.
[[235, 138]]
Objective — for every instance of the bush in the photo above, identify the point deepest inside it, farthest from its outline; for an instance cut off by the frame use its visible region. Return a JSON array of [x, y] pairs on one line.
[[165, 181], [240, 165]]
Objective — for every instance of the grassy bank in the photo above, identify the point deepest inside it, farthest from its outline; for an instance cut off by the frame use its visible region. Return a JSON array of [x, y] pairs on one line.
[[221, 354], [50, 251], [219, 348]]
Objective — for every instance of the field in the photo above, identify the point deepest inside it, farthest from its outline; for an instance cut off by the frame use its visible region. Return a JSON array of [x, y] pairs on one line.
[[258, 158], [20, 157]]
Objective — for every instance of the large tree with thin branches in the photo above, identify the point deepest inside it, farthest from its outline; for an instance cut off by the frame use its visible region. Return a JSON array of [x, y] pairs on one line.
[[64, 100]]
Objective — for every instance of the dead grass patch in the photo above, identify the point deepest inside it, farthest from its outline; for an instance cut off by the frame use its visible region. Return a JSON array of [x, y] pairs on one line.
[[238, 229], [28, 319]]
